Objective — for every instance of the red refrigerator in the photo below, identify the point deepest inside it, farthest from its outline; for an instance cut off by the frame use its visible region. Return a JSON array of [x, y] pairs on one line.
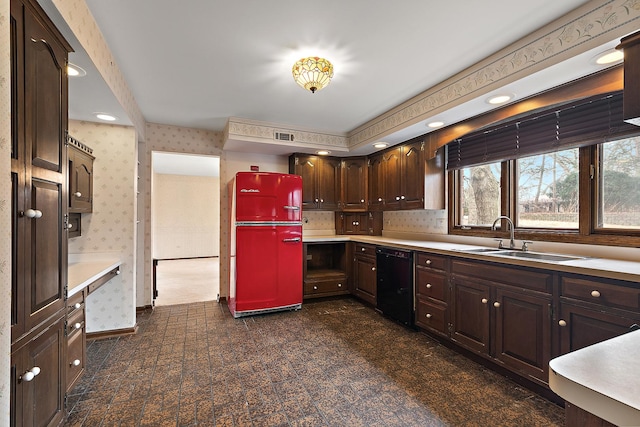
[[265, 272]]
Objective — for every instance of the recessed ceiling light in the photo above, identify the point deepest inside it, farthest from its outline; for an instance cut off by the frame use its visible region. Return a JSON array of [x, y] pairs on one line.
[[436, 124], [380, 144], [74, 71], [500, 99], [609, 57], [106, 117], [323, 152]]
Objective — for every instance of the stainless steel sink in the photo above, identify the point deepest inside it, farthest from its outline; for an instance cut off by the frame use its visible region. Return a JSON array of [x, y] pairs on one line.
[[537, 255], [480, 250]]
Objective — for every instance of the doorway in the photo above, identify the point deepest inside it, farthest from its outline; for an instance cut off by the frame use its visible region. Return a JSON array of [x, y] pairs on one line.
[[185, 227]]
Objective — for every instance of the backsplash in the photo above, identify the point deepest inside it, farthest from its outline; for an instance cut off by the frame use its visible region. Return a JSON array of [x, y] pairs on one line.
[[418, 221], [318, 223]]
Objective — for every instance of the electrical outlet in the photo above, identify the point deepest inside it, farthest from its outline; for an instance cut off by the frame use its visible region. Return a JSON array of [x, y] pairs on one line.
[[309, 257]]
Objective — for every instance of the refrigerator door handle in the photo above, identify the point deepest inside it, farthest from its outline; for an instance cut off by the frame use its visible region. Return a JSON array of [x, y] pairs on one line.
[[292, 208], [294, 240]]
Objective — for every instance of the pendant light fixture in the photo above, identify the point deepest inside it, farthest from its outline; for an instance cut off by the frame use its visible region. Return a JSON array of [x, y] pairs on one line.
[[312, 73]]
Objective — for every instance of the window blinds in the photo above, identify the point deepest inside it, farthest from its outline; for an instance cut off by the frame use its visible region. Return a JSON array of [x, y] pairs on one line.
[[585, 122]]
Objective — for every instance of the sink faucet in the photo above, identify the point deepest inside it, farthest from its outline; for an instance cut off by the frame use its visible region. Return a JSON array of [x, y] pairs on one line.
[[512, 243]]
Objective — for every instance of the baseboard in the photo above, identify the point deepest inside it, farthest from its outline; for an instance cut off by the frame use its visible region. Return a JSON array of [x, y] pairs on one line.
[[113, 333]]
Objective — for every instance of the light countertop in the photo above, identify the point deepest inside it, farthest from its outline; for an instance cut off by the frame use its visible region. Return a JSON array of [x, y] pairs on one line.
[[603, 379], [599, 267], [84, 270]]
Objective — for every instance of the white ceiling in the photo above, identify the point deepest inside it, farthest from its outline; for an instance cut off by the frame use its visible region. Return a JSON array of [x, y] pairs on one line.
[[196, 63]]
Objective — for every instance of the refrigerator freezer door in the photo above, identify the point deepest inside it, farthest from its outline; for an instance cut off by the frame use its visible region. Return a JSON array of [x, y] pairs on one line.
[[268, 268], [265, 196]]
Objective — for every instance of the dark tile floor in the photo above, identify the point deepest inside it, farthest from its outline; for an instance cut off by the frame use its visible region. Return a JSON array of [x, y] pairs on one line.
[[333, 363]]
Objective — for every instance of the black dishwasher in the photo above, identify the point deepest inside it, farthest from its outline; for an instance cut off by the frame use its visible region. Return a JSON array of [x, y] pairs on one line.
[[395, 284]]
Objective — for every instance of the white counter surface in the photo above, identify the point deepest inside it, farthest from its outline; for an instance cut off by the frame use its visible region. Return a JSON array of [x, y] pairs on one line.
[[603, 379], [599, 267], [85, 270]]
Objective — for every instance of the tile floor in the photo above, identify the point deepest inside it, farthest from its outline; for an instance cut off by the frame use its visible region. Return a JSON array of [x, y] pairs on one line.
[[333, 363]]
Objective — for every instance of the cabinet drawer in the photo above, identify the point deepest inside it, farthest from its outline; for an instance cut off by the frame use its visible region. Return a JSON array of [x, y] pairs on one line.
[[431, 284], [431, 261], [367, 250], [75, 358], [432, 316], [601, 293], [325, 287], [75, 323], [75, 303]]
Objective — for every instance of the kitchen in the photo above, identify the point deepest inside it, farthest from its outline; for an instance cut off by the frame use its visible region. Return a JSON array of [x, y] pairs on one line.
[[124, 295]]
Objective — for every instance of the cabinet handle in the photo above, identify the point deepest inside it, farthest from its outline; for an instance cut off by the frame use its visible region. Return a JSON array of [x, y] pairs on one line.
[[496, 304], [321, 200], [373, 269], [315, 288], [428, 262], [75, 363], [339, 285], [316, 200], [77, 194], [484, 300], [33, 213], [77, 325], [69, 226], [397, 197], [361, 200], [595, 294], [379, 199], [402, 197], [117, 272], [562, 323], [77, 305], [363, 249], [428, 285], [30, 374], [428, 316]]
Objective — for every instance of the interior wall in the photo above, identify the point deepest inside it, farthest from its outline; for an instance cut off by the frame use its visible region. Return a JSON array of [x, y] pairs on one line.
[[111, 227], [242, 162], [185, 216]]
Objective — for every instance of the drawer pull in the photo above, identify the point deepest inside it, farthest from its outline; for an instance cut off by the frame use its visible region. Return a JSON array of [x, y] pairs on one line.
[[428, 316], [428, 285], [315, 288], [77, 305], [562, 323], [428, 262], [77, 325], [595, 294], [496, 304], [75, 363], [373, 269], [339, 285], [30, 374], [484, 300], [363, 249]]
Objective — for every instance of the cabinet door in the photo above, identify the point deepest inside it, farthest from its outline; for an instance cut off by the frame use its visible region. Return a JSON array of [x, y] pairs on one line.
[[580, 327], [376, 183], [392, 185], [80, 181], [412, 176], [523, 332], [39, 402], [307, 167], [470, 314], [434, 180], [364, 272], [354, 184], [329, 184]]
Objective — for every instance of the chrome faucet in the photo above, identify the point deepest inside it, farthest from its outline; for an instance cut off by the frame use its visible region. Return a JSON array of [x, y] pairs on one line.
[[512, 243]]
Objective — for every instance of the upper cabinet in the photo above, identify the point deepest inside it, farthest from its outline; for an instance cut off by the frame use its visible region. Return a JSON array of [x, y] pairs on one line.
[[354, 184], [375, 177], [80, 176], [320, 181]]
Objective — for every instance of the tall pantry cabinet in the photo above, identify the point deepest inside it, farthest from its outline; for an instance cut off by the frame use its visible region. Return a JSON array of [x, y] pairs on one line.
[[39, 216]]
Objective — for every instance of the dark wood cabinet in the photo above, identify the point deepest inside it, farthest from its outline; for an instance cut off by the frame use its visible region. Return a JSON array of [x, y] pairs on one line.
[[365, 223], [594, 310], [432, 293], [321, 179], [364, 272], [75, 338], [39, 215], [376, 182], [80, 169], [504, 313], [354, 184], [325, 270]]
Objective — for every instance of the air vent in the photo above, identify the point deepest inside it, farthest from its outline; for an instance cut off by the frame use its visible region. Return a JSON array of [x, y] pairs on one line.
[[280, 136]]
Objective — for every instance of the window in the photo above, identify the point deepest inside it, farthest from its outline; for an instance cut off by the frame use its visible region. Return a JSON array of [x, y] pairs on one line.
[[619, 184], [547, 191], [570, 174]]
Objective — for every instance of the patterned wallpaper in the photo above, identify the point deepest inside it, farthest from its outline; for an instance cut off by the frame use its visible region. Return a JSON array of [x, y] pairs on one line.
[[416, 222], [185, 216], [5, 213], [110, 228], [173, 139], [318, 223]]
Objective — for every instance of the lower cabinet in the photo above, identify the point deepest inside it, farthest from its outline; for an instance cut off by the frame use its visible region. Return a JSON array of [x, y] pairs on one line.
[[75, 339], [504, 313], [325, 270], [364, 272], [432, 293], [38, 378]]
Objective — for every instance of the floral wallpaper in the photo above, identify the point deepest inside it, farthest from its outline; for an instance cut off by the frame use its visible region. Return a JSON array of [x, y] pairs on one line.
[[5, 213], [416, 222], [110, 228], [173, 139]]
